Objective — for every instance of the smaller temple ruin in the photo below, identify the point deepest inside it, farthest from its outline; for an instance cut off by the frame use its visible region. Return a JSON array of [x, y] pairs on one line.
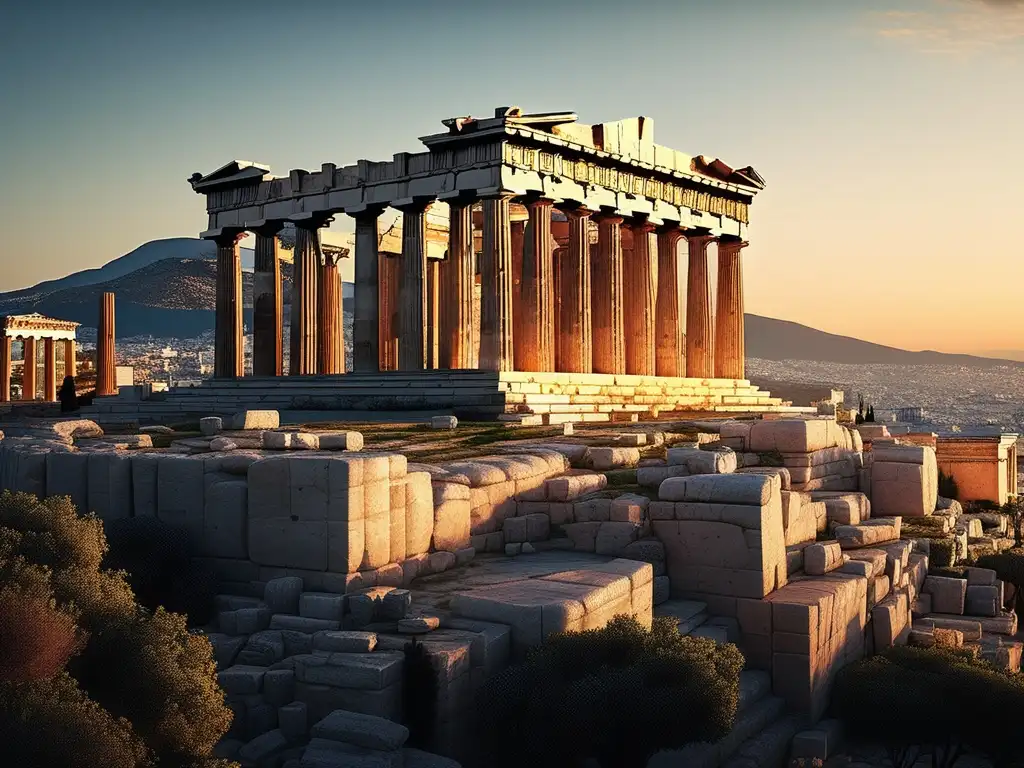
[[28, 330]]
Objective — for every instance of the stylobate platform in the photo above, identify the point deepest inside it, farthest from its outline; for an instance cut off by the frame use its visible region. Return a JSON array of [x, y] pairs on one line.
[[471, 394]]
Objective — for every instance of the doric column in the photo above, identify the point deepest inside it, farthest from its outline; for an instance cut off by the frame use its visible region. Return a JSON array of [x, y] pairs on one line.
[[412, 289], [5, 368], [106, 368], [639, 296], [729, 341], [575, 345], [28, 369], [433, 312], [228, 349], [459, 273], [700, 352], [305, 295], [533, 348], [496, 334], [70, 358], [606, 283], [367, 321], [517, 230], [330, 329], [267, 306], [387, 339], [670, 358], [49, 371]]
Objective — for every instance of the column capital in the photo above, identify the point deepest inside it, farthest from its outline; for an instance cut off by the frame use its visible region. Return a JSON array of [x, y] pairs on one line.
[[608, 217], [266, 227], [642, 225], [224, 238], [412, 204], [534, 201], [364, 212], [732, 242], [698, 238], [670, 229], [311, 221], [576, 212]]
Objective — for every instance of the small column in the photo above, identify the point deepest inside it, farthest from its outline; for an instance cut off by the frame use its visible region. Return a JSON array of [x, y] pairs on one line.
[[387, 339], [70, 358], [456, 336], [517, 231], [331, 331], [729, 333], [267, 306], [575, 345], [496, 333], [433, 312], [670, 358], [305, 298], [367, 321], [639, 295], [28, 369], [700, 352], [106, 370], [49, 371], [228, 348], [5, 368], [606, 283], [533, 349], [412, 289]]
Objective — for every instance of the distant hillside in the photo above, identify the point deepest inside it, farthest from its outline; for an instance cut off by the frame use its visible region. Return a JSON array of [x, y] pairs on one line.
[[771, 339]]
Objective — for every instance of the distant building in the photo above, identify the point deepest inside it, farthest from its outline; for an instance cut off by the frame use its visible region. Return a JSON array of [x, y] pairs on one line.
[[912, 415], [982, 461]]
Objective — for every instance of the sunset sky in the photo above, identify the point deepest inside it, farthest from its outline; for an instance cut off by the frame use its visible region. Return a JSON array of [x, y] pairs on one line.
[[890, 132]]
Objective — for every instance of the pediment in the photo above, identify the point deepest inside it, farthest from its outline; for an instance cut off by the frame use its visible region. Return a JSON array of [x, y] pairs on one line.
[[235, 173]]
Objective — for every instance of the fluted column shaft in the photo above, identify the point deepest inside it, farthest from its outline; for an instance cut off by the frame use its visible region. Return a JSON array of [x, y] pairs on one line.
[[575, 339], [496, 275], [533, 350], [606, 282], [388, 329], [305, 293], [331, 331], [227, 352], [28, 369], [267, 307], [729, 334], [49, 370], [70, 358], [670, 358], [5, 369], [366, 322], [458, 272], [106, 369], [412, 290], [433, 313], [700, 352], [639, 294]]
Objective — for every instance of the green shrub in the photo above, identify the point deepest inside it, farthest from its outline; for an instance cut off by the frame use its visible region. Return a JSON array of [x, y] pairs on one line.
[[949, 572], [941, 552], [158, 561], [917, 700], [617, 695], [1009, 566], [947, 486], [134, 664]]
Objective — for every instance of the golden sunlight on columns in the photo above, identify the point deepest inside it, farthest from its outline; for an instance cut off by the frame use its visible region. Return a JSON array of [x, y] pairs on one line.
[[331, 335], [639, 280], [700, 354], [228, 350], [70, 360], [305, 298], [106, 369], [670, 358], [606, 285], [533, 351], [729, 341], [5, 368], [387, 339], [496, 333], [49, 371], [575, 325], [28, 369], [457, 283]]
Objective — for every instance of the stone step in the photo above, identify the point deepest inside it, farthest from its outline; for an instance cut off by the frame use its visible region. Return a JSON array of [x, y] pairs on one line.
[[770, 747], [690, 613]]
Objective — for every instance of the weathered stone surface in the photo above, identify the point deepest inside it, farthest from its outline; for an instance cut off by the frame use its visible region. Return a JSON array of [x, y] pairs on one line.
[[613, 458], [904, 488], [210, 425], [699, 462], [293, 720], [418, 625], [241, 679], [341, 441], [256, 420], [419, 513], [725, 489], [781, 472], [263, 747], [451, 525], [395, 604], [948, 595], [443, 422], [789, 436], [876, 531], [344, 641], [822, 557], [302, 624], [628, 508], [321, 605], [981, 601], [362, 730], [282, 595]]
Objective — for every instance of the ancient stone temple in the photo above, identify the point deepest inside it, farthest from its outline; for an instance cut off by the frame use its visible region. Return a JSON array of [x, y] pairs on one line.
[[33, 332], [576, 271]]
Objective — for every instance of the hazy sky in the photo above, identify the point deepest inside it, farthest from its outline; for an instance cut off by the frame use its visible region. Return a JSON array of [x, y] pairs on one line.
[[890, 132]]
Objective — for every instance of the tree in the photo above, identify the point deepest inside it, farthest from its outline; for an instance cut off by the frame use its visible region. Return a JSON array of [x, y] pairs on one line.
[[617, 695], [1014, 510], [122, 677]]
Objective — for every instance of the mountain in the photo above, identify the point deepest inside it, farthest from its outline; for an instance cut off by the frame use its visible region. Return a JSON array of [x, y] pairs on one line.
[[771, 339]]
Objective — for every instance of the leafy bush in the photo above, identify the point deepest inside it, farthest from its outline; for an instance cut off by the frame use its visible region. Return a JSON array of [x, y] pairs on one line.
[[941, 552], [935, 700], [148, 687], [157, 559], [1009, 566], [947, 486], [617, 695]]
